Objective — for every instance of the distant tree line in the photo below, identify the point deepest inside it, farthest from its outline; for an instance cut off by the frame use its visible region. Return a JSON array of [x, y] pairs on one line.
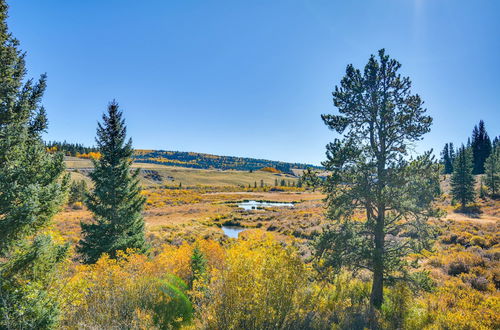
[[480, 146], [479, 156], [206, 161], [69, 149], [186, 159]]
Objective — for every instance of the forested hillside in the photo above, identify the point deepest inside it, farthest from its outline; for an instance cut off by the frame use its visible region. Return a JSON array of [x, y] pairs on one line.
[[205, 161], [184, 159]]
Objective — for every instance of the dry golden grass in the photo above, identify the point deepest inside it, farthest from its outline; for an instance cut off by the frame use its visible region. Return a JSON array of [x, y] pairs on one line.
[[176, 215], [173, 176], [466, 252]]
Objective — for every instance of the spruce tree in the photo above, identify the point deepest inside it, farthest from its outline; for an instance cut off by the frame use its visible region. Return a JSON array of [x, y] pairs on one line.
[[481, 147], [116, 201], [462, 180], [492, 172], [452, 154], [198, 265], [496, 141], [32, 189], [447, 158], [77, 192]]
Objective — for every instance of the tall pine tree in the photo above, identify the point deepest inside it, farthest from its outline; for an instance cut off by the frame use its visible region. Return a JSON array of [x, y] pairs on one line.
[[32, 188], [370, 171], [462, 180], [116, 201], [481, 147]]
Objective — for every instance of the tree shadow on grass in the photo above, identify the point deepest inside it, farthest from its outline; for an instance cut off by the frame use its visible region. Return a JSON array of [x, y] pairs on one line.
[[473, 211]]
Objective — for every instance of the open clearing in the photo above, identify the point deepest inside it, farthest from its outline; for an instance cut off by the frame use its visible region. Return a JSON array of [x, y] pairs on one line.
[[155, 174]]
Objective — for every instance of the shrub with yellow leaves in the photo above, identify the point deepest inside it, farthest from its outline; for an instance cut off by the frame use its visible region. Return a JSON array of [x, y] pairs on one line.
[[124, 292], [258, 287]]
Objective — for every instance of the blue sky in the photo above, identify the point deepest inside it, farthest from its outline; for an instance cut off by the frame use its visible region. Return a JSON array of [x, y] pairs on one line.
[[251, 78]]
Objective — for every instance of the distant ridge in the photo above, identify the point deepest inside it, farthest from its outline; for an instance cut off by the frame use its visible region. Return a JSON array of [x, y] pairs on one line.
[[185, 159], [206, 161]]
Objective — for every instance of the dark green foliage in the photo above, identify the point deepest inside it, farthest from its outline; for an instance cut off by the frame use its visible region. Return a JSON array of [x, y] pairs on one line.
[[199, 160], [70, 149], [481, 148], [492, 172], [482, 189], [371, 171], [174, 308], [262, 183], [116, 201], [198, 265], [25, 298], [32, 188], [462, 180], [77, 192], [447, 157], [310, 179], [496, 141]]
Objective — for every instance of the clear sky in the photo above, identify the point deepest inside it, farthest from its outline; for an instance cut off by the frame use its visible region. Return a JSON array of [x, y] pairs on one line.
[[251, 78]]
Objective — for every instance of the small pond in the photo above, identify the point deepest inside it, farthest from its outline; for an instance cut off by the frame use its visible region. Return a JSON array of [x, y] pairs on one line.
[[232, 231], [254, 205]]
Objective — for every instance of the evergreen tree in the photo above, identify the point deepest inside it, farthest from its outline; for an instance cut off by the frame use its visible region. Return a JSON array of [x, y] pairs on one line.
[[77, 192], [496, 141], [310, 179], [481, 147], [462, 180], [198, 265], [262, 183], [116, 201], [275, 182], [482, 189], [378, 118], [452, 154], [32, 189], [447, 158], [492, 172]]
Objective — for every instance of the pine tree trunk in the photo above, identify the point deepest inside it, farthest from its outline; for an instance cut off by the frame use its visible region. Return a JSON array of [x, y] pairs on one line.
[[378, 266], [378, 253], [376, 297]]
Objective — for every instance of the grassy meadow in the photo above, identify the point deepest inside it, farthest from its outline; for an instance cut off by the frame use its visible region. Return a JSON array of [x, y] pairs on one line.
[[187, 177], [462, 267], [112, 237]]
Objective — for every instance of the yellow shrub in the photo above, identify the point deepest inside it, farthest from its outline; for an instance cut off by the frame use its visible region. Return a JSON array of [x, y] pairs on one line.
[[177, 260], [456, 306], [258, 286]]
